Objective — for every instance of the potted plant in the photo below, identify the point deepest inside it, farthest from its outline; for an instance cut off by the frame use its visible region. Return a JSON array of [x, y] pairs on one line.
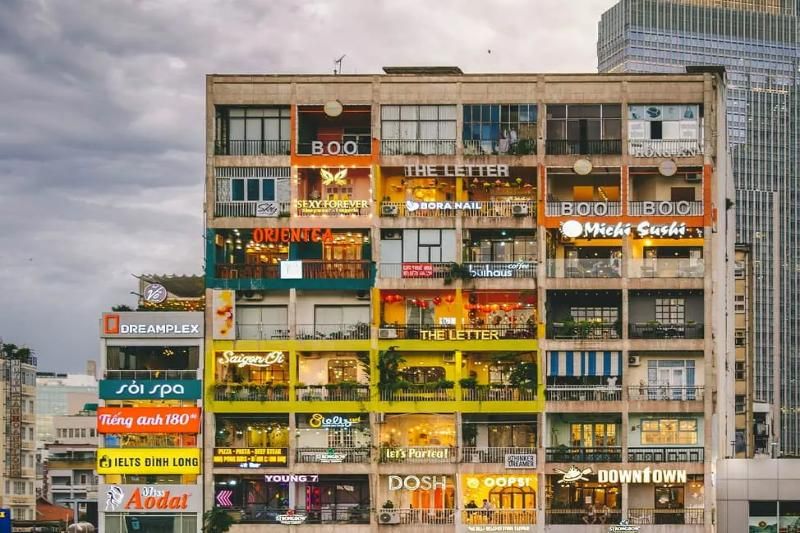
[[280, 391], [468, 383], [217, 520]]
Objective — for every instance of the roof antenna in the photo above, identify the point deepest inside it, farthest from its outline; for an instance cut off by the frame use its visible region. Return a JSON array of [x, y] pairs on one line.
[[338, 63]]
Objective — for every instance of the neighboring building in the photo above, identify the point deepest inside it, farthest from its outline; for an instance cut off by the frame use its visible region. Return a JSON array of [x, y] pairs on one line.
[[429, 290], [757, 43], [149, 422], [180, 293], [18, 439], [61, 395]]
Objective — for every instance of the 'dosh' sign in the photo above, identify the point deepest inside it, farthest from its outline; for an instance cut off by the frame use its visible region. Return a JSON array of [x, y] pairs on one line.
[[150, 498]]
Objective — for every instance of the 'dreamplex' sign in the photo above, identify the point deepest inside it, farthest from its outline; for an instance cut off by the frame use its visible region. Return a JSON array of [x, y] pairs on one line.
[[151, 498], [155, 324]]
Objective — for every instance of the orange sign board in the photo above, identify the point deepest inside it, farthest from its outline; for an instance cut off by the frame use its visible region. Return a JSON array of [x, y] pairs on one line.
[[148, 420]]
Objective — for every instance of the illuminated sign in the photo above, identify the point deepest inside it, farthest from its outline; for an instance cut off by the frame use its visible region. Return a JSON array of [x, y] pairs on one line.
[[574, 229], [655, 148], [250, 457], [152, 324], [478, 171], [665, 208], [334, 148], [329, 178], [623, 527], [459, 335], [287, 235], [617, 475], [412, 206], [498, 270], [585, 209], [154, 293], [416, 453], [318, 420], [573, 474], [490, 482], [290, 518], [151, 498], [245, 359], [291, 478], [520, 460], [150, 389], [223, 310], [330, 456], [331, 207], [148, 461], [417, 270], [148, 420], [417, 482]]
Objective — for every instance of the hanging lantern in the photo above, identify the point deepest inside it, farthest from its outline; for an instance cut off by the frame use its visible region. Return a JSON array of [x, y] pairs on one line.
[[437, 300], [519, 181], [473, 298], [449, 298]]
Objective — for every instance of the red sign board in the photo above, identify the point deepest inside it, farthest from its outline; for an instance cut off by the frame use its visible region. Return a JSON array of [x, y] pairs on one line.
[[417, 270], [148, 420]]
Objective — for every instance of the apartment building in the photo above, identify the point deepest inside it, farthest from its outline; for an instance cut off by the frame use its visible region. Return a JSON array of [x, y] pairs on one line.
[[452, 302]]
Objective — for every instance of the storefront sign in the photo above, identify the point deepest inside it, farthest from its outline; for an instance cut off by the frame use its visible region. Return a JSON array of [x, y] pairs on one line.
[[574, 229], [267, 209], [520, 460], [148, 420], [412, 206], [318, 420], [416, 453], [417, 482], [573, 474], [252, 359], [498, 270], [154, 293], [644, 475], [588, 209], [291, 478], [287, 235], [148, 461], [478, 171], [250, 457], [623, 527], [331, 207], [666, 208], [658, 148], [496, 528], [330, 456], [153, 324], [290, 518], [490, 482], [223, 310], [459, 335], [5, 520], [334, 148], [417, 270], [150, 389], [151, 498]]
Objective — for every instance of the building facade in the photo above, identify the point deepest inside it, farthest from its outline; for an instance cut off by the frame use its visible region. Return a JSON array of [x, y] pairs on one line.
[[61, 395], [757, 43], [463, 302], [149, 422]]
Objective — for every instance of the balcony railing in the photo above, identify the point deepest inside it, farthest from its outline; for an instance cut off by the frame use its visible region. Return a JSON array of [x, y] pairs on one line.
[[493, 455], [403, 331], [500, 147], [333, 393], [498, 393], [418, 147], [312, 269], [582, 517], [257, 147], [599, 454], [418, 454], [420, 393], [583, 393], [358, 331], [498, 517], [333, 455], [584, 330], [657, 208], [247, 209], [584, 147], [694, 454], [658, 330], [420, 517], [490, 208], [584, 268], [665, 392], [666, 268], [151, 374], [499, 270], [582, 209], [665, 148], [415, 270], [250, 393], [640, 516], [262, 331]]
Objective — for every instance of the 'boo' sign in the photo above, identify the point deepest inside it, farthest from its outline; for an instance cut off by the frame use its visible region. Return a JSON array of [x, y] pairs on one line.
[[334, 148]]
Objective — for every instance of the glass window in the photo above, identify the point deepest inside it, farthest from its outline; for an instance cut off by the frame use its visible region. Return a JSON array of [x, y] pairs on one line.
[[340, 370], [588, 435], [424, 122], [423, 374], [670, 310], [669, 431]]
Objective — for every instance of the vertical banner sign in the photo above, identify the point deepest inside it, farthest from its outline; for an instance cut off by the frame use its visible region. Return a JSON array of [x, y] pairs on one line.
[[223, 310], [5, 520]]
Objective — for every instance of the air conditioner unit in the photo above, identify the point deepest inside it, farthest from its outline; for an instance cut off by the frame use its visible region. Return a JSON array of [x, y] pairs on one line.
[[362, 295], [693, 178], [252, 295], [389, 210], [634, 360], [387, 333], [449, 358], [388, 517], [520, 210], [391, 236]]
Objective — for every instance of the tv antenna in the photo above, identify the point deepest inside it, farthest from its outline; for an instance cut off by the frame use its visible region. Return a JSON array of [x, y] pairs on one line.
[[337, 69]]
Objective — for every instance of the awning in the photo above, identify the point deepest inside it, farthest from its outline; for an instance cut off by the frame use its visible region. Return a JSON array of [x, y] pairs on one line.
[[584, 363]]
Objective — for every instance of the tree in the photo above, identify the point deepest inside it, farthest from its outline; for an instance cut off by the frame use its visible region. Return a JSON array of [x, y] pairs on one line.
[[217, 520], [121, 308], [12, 351]]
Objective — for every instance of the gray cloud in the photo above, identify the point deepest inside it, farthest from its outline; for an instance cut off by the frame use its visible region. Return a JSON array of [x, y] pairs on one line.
[[101, 142]]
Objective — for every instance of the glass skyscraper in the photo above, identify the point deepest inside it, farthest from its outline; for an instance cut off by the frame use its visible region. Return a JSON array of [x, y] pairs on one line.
[[757, 43]]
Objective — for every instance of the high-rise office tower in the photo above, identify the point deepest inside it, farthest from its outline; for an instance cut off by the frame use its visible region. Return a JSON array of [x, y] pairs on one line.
[[757, 43]]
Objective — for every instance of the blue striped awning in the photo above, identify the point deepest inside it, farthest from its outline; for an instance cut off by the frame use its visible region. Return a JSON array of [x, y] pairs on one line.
[[584, 363]]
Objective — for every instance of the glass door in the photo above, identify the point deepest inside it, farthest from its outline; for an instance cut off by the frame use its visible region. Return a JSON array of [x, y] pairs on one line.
[[672, 381]]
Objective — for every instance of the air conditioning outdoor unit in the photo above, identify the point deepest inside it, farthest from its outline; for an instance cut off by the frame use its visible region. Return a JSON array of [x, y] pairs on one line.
[[693, 178], [389, 210], [520, 210], [362, 295], [387, 333], [252, 295], [388, 517], [633, 360], [449, 358]]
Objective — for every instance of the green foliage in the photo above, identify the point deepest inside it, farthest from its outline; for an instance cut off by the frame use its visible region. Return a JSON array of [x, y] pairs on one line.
[[457, 271], [12, 351], [217, 520], [389, 362], [468, 383], [121, 308], [524, 375]]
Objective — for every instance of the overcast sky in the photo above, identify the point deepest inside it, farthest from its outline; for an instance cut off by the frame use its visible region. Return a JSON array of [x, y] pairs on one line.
[[101, 142]]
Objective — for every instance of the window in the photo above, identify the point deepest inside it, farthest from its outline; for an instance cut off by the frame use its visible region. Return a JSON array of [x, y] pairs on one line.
[[253, 124], [741, 371], [512, 435], [589, 435], [423, 374], [341, 438], [604, 315], [674, 122], [739, 303], [499, 374], [670, 310], [340, 370], [341, 315], [262, 322], [738, 271], [739, 404], [418, 122], [657, 431], [500, 128], [417, 315], [740, 337], [252, 189], [581, 122]]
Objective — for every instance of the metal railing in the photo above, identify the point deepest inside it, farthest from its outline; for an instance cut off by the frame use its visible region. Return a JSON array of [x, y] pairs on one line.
[[583, 147], [418, 147], [333, 393], [692, 454], [665, 392], [333, 455], [666, 268], [665, 147], [262, 331], [418, 517], [576, 209], [418, 454], [584, 268], [493, 455], [583, 393], [491, 208], [584, 330], [415, 270], [498, 393], [658, 330], [404, 331], [250, 393], [246, 209], [573, 454], [357, 331], [254, 147], [312, 269], [329, 514], [492, 270], [582, 516], [683, 208], [499, 147], [421, 393], [151, 374], [499, 516], [640, 516]]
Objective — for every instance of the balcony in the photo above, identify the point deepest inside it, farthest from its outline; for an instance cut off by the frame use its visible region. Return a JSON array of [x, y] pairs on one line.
[[314, 274], [243, 392], [694, 454], [666, 268], [665, 148], [333, 455], [605, 267], [356, 144], [251, 209], [150, 441], [341, 392], [498, 393], [665, 393], [584, 330], [428, 331], [583, 393], [495, 517], [574, 209], [252, 147], [418, 454], [583, 147], [499, 147], [358, 331], [497, 270], [567, 454], [581, 517], [492, 455], [658, 330], [262, 331], [641, 516], [418, 147], [151, 374], [649, 208], [415, 270], [418, 517], [430, 392], [332, 514]]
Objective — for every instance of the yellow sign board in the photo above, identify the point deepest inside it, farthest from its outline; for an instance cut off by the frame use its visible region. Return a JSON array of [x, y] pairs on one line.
[[148, 461]]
